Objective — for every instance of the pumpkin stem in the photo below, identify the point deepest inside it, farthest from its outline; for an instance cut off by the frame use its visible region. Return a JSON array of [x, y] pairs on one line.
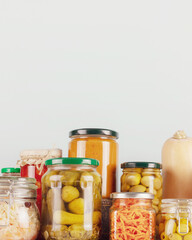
[[180, 135]]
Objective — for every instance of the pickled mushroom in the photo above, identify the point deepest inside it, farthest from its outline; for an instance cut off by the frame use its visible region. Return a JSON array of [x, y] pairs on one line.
[[138, 188], [133, 179]]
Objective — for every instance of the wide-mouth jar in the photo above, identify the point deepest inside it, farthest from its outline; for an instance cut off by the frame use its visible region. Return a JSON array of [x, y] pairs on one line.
[[132, 216], [19, 215], [175, 221], [71, 199], [143, 177]]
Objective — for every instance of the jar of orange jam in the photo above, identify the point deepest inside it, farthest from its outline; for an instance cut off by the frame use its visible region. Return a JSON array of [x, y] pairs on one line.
[[100, 144]]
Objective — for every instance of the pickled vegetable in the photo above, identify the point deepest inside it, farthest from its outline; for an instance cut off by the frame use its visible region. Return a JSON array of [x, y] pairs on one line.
[[63, 217], [70, 199], [69, 193], [77, 206]]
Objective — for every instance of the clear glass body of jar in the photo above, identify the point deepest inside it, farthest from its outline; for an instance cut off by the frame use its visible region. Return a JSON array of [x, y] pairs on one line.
[[132, 216], [142, 179], [19, 214], [175, 221], [71, 200], [98, 144], [11, 172]]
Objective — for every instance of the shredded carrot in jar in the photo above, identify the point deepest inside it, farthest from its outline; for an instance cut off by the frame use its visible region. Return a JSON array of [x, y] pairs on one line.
[[132, 219]]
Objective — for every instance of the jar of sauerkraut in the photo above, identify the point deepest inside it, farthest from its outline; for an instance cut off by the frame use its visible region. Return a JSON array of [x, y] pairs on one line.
[[10, 172], [19, 215], [175, 222], [132, 216], [32, 165], [71, 200]]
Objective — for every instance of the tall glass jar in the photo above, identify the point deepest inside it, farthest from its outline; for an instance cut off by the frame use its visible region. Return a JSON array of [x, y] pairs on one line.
[[8, 172], [71, 199], [100, 144], [176, 220], [19, 215], [132, 216], [143, 177], [32, 165]]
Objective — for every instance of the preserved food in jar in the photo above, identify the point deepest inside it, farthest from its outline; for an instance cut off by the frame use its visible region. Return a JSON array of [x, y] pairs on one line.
[[32, 165], [175, 220], [132, 216], [177, 167], [71, 199], [98, 144], [19, 215], [8, 172], [143, 177]]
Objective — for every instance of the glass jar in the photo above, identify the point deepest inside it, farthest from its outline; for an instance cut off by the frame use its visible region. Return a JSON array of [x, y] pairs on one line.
[[132, 216], [143, 177], [98, 144], [8, 172], [19, 215], [32, 165], [71, 199], [175, 222]]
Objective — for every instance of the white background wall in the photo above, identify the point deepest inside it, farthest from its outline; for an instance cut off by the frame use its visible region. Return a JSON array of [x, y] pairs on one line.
[[124, 65]]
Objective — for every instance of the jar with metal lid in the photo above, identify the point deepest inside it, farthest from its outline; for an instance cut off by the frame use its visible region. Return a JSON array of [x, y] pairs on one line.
[[175, 222], [71, 199], [143, 177], [98, 144], [8, 172], [132, 216], [32, 165], [19, 215]]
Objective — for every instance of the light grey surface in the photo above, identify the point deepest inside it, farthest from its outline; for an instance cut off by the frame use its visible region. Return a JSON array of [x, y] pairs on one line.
[[124, 65]]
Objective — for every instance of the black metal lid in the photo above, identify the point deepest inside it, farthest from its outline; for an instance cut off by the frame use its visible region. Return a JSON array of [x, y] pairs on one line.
[[141, 165], [94, 131]]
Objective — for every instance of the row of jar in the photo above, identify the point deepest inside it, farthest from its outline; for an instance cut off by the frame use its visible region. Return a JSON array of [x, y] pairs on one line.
[[71, 205]]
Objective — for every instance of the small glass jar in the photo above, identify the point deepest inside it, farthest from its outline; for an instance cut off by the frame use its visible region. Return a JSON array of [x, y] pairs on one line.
[[132, 216], [10, 172], [19, 215], [71, 199], [175, 222], [143, 177], [32, 165]]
